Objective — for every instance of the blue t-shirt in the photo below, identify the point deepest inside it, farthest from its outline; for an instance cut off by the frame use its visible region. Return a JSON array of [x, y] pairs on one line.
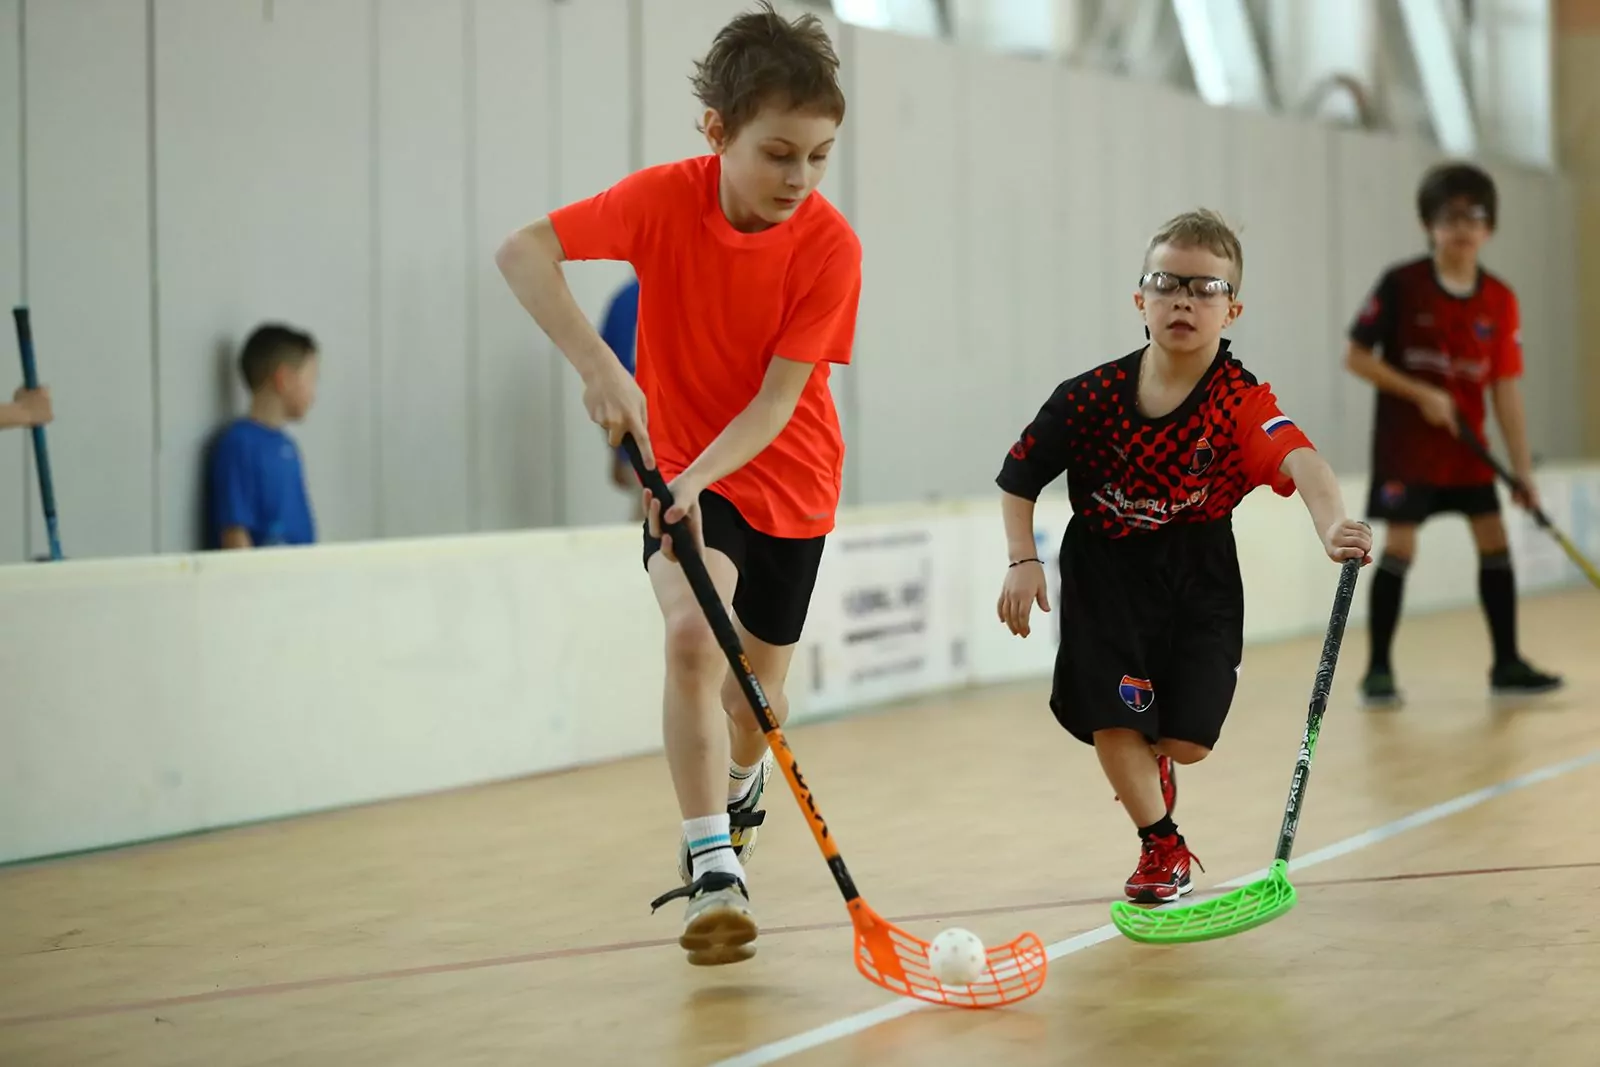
[[620, 330], [621, 326], [256, 481]]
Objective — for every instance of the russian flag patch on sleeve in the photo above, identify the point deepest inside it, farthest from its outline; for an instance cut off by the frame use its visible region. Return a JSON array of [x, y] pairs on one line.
[[1276, 425]]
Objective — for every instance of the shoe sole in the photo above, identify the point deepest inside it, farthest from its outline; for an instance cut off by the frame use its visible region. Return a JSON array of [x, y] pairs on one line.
[[1149, 896], [1527, 691], [719, 936]]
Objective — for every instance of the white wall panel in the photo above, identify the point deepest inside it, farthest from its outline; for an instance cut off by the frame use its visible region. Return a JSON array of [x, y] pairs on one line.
[[1290, 333], [1167, 152], [265, 211], [909, 365], [515, 391], [88, 267], [597, 91], [1093, 298], [1012, 310], [14, 505], [424, 409]]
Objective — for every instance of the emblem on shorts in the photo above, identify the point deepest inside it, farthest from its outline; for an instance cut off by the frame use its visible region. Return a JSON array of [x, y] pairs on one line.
[[1203, 455], [1137, 693], [1393, 492]]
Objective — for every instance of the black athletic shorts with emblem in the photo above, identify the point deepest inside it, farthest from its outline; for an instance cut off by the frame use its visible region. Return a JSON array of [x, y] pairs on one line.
[[1395, 501], [1152, 632]]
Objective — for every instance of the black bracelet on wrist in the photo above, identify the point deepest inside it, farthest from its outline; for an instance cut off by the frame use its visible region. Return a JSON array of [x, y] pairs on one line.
[[1030, 559]]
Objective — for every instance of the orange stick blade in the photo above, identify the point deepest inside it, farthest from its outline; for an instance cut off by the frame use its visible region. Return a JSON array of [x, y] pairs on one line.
[[898, 961]]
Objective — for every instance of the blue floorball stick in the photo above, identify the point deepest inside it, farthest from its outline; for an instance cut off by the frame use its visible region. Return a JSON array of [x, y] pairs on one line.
[[41, 454]]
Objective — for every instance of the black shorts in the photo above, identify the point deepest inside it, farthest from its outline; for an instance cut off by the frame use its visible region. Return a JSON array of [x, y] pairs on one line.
[[1152, 632], [776, 574], [1395, 501]]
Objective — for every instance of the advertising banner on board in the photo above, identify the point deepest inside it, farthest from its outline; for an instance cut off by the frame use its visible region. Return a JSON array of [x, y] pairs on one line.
[[888, 616]]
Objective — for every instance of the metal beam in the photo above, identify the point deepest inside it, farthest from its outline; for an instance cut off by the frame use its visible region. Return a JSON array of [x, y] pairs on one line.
[[1223, 53], [1433, 31], [1510, 69], [917, 18], [1025, 26], [1322, 55]]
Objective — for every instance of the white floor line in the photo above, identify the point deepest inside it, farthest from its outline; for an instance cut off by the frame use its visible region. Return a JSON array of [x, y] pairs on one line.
[[894, 1009]]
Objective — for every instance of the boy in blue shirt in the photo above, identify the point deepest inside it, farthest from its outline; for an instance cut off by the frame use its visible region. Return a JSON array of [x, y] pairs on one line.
[[619, 330], [257, 485]]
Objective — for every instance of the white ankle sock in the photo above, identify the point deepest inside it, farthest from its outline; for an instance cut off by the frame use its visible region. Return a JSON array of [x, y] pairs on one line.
[[741, 780], [709, 846]]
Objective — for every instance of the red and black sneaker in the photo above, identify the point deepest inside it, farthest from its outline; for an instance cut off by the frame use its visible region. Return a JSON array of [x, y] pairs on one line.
[[1163, 871]]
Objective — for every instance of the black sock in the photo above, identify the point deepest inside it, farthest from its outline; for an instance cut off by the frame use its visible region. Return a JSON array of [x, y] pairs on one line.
[[1497, 589], [1388, 588], [1164, 828]]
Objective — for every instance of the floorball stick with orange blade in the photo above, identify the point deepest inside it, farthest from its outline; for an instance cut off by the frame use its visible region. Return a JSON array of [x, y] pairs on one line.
[[884, 953]]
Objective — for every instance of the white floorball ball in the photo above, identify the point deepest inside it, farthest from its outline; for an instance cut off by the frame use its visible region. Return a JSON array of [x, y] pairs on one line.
[[956, 957]]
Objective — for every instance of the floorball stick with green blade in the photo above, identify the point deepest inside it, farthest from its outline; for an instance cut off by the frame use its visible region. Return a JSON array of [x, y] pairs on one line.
[[1267, 898]]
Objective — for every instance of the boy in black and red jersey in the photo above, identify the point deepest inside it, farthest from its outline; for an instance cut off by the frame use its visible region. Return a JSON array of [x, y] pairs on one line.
[[1432, 334], [1159, 447]]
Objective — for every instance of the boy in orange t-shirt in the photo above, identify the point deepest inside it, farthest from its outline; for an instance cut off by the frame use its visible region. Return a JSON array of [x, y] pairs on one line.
[[749, 284]]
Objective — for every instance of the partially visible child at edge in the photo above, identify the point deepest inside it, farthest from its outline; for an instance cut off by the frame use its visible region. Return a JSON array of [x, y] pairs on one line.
[[28, 407], [1159, 447], [619, 330], [754, 280], [1433, 332], [257, 491]]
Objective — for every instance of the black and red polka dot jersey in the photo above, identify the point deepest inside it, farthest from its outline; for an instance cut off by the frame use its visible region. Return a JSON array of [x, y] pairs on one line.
[[1128, 474]]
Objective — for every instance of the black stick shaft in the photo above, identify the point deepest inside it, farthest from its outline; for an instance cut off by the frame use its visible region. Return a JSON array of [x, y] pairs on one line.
[[41, 452], [1320, 689]]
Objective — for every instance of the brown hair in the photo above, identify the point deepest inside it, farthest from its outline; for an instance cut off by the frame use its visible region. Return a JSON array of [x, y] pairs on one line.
[[270, 346], [762, 58], [1202, 228]]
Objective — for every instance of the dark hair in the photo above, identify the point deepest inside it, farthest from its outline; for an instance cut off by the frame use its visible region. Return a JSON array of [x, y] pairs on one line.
[[761, 58], [271, 346], [1456, 181]]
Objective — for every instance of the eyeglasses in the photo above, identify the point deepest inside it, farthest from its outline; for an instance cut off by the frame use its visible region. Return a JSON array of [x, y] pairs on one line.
[[1454, 216], [1204, 288]]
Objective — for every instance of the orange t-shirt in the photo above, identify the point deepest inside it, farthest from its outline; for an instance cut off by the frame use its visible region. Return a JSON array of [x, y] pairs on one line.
[[715, 305]]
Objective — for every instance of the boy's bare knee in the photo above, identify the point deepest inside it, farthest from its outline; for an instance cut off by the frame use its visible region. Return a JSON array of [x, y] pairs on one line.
[[737, 705], [691, 646], [1489, 535], [1400, 542], [1184, 752]]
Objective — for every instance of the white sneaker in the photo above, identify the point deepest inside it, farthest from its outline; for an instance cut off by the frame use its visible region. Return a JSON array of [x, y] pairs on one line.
[[718, 927]]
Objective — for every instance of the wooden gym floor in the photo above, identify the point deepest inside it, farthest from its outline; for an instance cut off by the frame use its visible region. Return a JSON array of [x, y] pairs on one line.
[[510, 924]]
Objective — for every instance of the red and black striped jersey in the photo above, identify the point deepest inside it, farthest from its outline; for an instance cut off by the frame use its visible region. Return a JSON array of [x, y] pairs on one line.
[[1458, 343]]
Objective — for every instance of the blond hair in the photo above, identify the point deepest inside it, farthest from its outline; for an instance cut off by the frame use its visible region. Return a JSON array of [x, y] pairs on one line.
[[1201, 228]]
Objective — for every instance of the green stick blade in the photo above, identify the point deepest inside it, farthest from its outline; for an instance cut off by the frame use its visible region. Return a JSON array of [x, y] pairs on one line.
[[1243, 909]]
